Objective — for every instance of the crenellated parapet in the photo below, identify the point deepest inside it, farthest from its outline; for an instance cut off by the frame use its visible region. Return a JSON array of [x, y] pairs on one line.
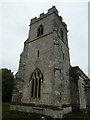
[[53, 9], [50, 11]]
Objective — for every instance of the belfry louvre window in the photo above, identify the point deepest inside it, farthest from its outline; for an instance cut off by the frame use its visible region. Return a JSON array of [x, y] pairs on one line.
[[40, 30], [36, 79]]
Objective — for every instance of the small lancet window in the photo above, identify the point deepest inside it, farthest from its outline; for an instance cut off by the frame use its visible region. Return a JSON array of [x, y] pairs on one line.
[[40, 30], [38, 53], [61, 33], [63, 55]]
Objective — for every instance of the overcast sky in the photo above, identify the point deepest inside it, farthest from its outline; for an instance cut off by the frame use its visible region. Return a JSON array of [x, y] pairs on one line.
[[15, 19]]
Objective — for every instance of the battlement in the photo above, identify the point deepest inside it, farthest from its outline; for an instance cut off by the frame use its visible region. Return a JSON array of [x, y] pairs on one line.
[[53, 9], [50, 11], [33, 20], [42, 15]]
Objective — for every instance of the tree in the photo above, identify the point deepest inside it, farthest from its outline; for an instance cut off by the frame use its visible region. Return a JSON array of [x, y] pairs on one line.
[[7, 84]]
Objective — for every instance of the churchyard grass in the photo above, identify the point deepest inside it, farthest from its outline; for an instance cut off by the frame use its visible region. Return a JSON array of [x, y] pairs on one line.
[[11, 116]]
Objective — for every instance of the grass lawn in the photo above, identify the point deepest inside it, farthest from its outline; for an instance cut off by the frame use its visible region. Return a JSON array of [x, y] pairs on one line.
[[12, 116], [19, 116]]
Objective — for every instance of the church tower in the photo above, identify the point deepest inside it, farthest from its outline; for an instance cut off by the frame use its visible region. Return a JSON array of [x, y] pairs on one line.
[[42, 80]]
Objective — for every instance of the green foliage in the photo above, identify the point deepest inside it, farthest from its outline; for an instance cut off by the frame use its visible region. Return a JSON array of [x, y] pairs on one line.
[[7, 84], [5, 107]]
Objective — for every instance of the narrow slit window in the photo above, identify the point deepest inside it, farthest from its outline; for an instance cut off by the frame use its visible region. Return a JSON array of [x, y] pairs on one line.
[[63, 56], [38, 53]]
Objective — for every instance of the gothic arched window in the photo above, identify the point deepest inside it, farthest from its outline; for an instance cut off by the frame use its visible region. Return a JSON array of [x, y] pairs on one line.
[[36, 79], [40, 30]]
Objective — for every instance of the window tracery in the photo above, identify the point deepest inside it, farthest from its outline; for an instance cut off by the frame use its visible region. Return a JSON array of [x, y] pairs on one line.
[[36, 79]]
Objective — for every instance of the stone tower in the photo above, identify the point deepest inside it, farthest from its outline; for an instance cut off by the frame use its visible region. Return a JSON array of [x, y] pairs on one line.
[[42, 80]]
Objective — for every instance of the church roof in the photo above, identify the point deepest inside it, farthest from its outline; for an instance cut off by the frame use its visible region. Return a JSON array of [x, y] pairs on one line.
[[76, 71]]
